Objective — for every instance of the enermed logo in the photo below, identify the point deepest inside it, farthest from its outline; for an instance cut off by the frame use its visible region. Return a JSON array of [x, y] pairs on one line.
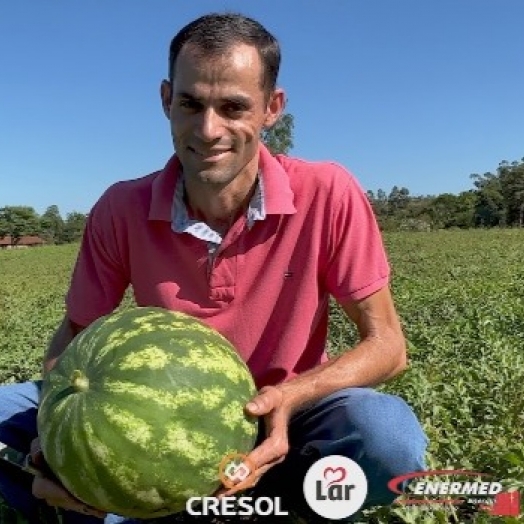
[[454, 486], [335, 487], [235, 470]]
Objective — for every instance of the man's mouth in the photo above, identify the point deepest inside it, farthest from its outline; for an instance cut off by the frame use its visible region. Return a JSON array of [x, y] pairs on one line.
[[210, 155]]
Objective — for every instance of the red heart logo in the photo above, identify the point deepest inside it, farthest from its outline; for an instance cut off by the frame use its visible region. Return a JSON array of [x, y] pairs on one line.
[[334, 475]]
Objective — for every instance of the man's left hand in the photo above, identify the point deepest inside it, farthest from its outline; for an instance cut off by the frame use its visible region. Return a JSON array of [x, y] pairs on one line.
[[269, 403]]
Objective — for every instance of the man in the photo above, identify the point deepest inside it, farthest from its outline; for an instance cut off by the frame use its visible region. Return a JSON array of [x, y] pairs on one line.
[[254, 245]]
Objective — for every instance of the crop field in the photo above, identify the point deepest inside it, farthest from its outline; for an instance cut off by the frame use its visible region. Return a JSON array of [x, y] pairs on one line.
[[460, 295]]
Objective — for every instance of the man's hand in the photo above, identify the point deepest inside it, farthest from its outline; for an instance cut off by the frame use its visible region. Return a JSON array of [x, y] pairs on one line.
[[52, 491], [270, 404]]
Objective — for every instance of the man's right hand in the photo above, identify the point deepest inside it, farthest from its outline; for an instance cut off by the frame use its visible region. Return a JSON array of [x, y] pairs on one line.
[[50, 489]]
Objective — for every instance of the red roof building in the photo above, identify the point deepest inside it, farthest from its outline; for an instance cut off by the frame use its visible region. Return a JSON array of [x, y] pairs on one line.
[[25, 241]]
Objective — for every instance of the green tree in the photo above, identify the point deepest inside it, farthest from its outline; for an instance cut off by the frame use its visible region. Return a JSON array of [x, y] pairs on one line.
[[511, 177], [419, 207], [18, 221], [465, 209], [279, 138], [490, 208], [52, 225], [73, 227], [379, 203], [448, 210], [398, 199]]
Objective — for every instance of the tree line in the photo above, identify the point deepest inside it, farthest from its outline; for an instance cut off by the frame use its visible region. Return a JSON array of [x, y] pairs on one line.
[[496, 200], [20, 221]]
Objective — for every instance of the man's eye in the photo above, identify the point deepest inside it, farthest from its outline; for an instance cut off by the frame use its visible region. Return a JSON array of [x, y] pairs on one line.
[[233, 110], [189, 104]]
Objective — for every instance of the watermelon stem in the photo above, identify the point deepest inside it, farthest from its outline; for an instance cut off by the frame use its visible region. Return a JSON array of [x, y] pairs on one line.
[[79, 381]]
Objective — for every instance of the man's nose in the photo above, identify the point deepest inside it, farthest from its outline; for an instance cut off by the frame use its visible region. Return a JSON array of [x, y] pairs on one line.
[[210, 125]]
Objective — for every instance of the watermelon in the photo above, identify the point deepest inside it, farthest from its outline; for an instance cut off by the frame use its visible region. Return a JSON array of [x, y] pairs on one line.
[[140, 410]]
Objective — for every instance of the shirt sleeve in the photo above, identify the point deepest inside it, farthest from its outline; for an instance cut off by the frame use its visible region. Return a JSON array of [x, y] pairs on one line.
[[357, 261], [99, 278]]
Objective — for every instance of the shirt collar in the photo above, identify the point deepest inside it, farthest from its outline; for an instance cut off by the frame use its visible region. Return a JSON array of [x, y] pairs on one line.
[[182, 223], [278, 195]]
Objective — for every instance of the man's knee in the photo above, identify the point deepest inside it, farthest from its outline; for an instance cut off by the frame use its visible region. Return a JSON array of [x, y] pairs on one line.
[[386, 427], [389, 429], [366, 426]]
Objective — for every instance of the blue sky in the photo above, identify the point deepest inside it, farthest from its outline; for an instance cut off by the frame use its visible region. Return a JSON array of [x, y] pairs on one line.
[[402, 92]]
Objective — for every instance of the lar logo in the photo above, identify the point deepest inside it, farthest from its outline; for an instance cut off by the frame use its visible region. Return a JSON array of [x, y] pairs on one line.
[[236, 469], [335, 487]]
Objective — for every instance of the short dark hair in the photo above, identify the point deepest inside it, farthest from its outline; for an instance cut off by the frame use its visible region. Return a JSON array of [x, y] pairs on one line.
[[216, 33]]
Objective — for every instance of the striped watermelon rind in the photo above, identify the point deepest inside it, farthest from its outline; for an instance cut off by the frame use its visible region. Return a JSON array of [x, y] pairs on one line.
[[140, 409]]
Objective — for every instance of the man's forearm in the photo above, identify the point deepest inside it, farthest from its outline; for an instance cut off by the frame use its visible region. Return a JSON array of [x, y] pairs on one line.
[[369, 363], [63, 335]]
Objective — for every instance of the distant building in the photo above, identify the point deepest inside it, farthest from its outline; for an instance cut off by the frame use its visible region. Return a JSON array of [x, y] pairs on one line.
[[24, 242]]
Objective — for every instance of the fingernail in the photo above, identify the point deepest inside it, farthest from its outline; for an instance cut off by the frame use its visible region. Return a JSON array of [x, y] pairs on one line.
[[252, 406]]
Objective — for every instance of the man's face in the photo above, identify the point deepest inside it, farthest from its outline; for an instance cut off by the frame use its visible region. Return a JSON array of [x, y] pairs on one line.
[[217, 108]]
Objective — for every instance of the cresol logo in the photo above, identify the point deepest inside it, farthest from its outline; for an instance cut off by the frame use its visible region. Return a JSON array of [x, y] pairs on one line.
[[235, 470], [335, 487]]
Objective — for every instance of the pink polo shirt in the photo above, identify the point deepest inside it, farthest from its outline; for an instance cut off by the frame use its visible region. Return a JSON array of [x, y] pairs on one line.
[[268, 288]]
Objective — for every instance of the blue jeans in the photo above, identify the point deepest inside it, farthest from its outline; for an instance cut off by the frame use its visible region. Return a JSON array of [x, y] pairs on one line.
[[378, 431]]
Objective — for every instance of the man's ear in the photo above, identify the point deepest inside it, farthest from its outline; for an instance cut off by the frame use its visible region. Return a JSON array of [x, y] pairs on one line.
[[166, 95], [275, 107]]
